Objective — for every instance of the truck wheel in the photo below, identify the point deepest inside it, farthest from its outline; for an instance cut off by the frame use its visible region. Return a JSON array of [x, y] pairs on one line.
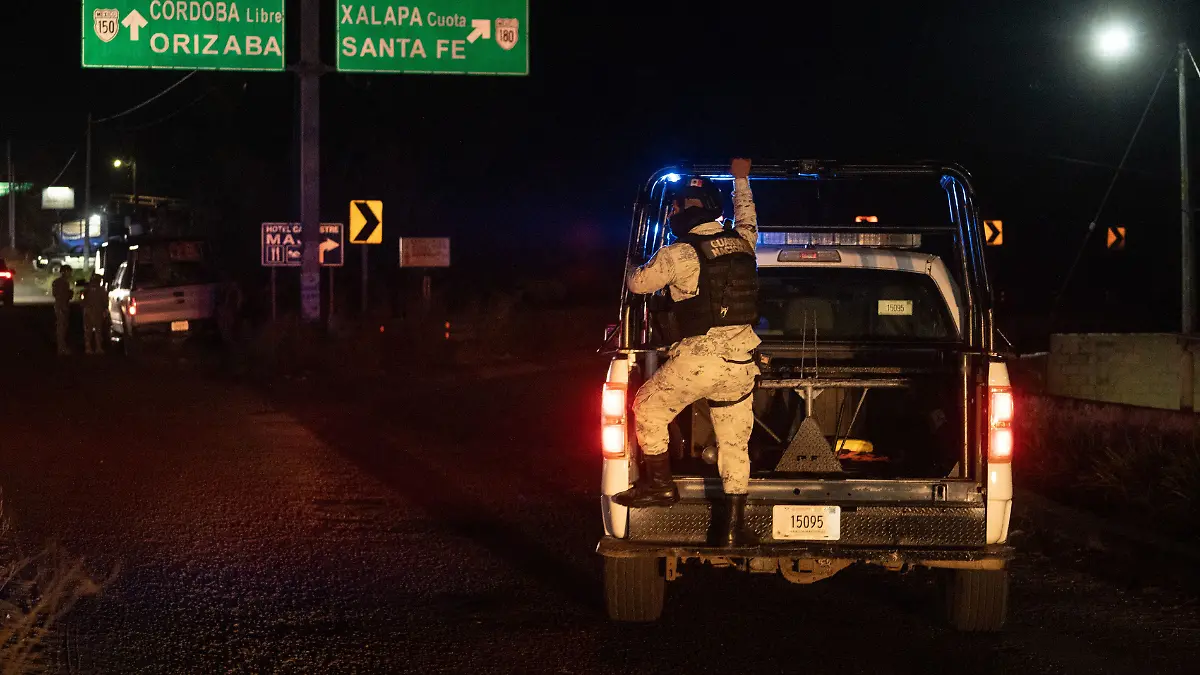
[[977, 600], [634, 588]]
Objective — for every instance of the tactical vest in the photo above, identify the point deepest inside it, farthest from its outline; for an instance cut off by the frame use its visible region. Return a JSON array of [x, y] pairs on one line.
[[728, 290]]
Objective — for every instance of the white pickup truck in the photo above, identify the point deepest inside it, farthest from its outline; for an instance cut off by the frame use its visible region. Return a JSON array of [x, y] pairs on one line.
[[164, 289], [883, 417]]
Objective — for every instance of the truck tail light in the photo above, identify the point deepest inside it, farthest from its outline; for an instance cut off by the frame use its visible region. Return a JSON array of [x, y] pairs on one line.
[[613, 433], [1001, 410]]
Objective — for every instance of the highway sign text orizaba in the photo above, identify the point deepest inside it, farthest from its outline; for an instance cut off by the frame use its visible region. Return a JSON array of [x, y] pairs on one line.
[[184, 34], [472, 37]]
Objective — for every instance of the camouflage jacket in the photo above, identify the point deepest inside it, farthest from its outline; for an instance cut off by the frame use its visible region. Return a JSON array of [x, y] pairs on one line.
[[676, 268]]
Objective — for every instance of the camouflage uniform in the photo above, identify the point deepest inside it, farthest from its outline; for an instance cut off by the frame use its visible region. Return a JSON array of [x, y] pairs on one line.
[[61, 289], [705, 366], [95, 306]]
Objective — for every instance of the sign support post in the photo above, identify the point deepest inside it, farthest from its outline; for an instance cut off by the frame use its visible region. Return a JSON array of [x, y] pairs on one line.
[[364, 279], [309, 71]]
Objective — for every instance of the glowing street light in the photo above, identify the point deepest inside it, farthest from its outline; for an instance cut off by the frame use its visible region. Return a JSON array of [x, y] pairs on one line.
[[1114, 41], [132, 164]]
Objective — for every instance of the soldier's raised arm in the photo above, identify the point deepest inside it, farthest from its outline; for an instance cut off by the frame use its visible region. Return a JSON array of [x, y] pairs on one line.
[[744, 215], [654, 275]]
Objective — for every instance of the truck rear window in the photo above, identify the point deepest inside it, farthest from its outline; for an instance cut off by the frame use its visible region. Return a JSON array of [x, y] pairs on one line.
[[151, 275], [842, 304]]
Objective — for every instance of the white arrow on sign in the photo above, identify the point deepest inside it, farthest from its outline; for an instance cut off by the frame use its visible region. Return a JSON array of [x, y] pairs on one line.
[[483, 29], [134, 21], [327, 245]]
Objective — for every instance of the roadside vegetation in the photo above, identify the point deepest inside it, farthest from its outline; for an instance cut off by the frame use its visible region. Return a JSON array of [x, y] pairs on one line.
[[36, 592], [1139, 466]]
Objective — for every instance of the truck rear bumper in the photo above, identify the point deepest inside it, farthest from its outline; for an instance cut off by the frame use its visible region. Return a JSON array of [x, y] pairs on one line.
[[995, 556], [928, 524]]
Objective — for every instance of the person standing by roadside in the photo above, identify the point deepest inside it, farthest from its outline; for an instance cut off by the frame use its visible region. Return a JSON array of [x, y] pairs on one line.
[[63, 293], [95, 306]]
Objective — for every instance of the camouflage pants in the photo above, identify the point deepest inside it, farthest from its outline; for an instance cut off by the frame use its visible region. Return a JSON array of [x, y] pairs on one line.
[[685, 379]]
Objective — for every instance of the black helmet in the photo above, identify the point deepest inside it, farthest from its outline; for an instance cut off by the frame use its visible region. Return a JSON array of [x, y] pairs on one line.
[[705, 207], [698, 188]]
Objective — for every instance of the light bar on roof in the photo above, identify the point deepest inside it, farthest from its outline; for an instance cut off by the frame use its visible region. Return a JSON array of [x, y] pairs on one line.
[[875, 239]]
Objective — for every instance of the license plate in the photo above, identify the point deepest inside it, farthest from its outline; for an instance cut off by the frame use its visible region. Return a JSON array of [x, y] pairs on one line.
[[806, 523], [179, 326]]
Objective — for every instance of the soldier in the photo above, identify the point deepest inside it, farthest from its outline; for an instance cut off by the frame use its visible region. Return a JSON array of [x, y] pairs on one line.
[[95, 306], [63, 293], [712, 276]]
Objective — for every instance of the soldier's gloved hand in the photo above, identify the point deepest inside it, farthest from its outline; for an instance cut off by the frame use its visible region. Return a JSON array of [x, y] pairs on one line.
[[740, 167]]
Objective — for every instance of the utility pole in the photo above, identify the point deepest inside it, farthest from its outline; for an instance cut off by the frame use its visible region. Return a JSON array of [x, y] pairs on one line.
[[309, 71], [1185, 202], [87, 194], [12, 202], [1187, 366]]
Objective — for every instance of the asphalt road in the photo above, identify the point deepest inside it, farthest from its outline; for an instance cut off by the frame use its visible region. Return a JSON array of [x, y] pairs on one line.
[[446, 528]]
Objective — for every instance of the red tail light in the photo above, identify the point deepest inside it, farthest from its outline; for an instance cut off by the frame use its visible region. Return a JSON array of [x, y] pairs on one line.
[[612, 420], [132, 307], [5, 274], [1001, 410]]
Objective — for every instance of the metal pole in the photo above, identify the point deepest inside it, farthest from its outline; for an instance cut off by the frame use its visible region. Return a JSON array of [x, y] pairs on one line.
[[1188, 313], [363, 248], [309, 69], [1187, 389], [331, 269], [12, 202], [87, 193], [133, 167]]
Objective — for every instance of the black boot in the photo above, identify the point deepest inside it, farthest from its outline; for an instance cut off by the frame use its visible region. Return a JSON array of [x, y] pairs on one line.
[[655, 488], [735, 532]]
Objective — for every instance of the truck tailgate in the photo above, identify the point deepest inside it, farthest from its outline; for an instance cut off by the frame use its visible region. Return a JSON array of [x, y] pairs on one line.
[[177, 303]]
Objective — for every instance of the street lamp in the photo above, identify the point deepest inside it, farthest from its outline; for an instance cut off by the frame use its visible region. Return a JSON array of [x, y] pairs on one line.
[[1113, 41], [118, 163]]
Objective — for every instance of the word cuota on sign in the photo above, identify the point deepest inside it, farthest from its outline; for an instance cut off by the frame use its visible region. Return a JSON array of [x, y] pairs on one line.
[[472, 37], [283, 245], [424, 252], [184, 34]]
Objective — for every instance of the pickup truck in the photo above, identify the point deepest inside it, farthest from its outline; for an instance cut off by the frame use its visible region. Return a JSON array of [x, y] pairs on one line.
[[883, 416], [164, 289]]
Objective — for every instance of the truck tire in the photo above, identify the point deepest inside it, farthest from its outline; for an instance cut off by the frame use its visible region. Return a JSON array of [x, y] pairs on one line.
[[977, 600], [634, 588]]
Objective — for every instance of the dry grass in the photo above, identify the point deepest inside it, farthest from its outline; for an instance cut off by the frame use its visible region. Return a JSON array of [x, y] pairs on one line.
[[1115, 459], [36, 592]]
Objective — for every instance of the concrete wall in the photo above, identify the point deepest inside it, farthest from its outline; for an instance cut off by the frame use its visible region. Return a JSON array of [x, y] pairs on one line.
[[1133, 369]]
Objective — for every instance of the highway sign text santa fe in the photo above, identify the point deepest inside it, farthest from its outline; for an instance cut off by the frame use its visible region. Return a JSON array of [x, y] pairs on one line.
[[468, 37], [184, 34]]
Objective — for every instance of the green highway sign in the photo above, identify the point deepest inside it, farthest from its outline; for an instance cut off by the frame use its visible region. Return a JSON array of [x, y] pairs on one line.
[[468, 37], [184, 34]]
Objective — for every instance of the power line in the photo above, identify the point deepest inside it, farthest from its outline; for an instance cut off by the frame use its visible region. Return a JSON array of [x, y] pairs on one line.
[[147, 101], [65, 167], [173, 113], [1107, 193]]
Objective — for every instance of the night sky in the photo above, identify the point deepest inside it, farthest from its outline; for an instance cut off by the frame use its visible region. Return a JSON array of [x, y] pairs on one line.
[[535, 176]]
